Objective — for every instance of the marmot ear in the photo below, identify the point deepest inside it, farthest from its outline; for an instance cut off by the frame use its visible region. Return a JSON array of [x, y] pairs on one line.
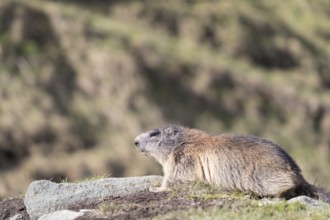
[[171, 132], [175, 132]]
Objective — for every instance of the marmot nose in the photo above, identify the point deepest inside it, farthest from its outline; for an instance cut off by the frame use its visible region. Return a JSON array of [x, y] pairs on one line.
[[136, 143]]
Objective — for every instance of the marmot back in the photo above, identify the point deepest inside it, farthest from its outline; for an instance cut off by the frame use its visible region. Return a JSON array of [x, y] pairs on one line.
[[231, 162]]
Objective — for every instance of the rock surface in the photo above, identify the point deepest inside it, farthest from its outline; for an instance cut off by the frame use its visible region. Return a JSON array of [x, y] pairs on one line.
[[63, 214], [309, 202], [305, 200], [17, 217], [44, 196]]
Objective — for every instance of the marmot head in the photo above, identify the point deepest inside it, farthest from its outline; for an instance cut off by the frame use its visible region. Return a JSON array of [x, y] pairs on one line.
[[159, 142]]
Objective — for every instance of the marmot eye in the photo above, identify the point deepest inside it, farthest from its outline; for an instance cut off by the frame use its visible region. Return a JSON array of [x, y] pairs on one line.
[[154, 133]]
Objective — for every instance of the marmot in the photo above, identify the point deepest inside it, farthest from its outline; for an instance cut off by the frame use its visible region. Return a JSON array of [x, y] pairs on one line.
[[231, 162]]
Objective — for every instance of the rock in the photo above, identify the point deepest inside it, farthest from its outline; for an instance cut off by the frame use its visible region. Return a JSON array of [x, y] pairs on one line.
[[309, 201], [301, 199], [17, 217], [63, 214], [69, 215], [44, 196]]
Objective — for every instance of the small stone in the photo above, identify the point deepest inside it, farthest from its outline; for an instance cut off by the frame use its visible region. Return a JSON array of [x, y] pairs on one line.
[[88, 211], [308, 201], [62, 214], [17, 217]]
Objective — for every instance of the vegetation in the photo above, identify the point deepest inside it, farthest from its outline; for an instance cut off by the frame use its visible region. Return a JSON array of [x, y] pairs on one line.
[[244, 210], [80, 79], [199, 201]]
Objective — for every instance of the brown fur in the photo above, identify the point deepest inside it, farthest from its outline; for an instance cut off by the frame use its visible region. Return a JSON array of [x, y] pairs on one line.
[[231, 162]]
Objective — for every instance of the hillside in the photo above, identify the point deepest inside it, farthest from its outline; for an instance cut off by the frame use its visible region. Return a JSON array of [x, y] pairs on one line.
[[80, 79]]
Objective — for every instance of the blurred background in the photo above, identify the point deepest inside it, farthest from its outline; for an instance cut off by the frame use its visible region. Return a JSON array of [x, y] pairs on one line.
[[80, 79]]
